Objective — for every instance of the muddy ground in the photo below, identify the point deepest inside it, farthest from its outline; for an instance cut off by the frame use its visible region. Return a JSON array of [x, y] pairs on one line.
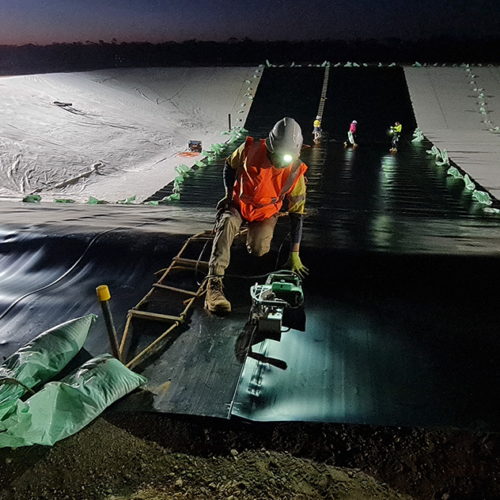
[[151, 456]]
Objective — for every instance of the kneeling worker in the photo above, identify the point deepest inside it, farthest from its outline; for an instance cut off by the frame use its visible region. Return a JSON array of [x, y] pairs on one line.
[[257, 177]]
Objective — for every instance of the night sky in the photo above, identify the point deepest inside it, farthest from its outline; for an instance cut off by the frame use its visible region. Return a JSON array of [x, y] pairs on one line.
[[48, 21]]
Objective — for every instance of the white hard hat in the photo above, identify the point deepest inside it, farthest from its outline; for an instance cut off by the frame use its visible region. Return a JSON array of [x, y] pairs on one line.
[[354, 121], [285, 138], [318, 117]]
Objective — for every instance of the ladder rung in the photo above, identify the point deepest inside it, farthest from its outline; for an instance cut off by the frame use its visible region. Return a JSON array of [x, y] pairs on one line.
[[167, 287], [201, 238], [155, 316], [191, 262]]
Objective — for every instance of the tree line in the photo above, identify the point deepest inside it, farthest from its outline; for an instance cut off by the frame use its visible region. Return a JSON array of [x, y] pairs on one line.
[[79, 56]]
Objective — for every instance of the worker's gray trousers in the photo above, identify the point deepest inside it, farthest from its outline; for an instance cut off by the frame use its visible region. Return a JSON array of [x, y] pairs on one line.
[[259, 237]]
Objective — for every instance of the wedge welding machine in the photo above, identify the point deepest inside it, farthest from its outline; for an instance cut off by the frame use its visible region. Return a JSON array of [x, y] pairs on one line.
[[279, 295]]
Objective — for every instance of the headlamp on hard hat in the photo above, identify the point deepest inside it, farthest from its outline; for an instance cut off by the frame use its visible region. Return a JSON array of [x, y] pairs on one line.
[[284, 142]]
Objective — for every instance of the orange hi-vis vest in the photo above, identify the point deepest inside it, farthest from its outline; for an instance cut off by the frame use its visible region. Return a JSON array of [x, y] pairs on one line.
[[260, 188]]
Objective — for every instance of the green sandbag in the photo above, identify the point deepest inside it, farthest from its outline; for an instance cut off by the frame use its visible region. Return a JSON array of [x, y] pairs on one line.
[[41, 359], [95, 201], [482, 197], [469, 185], [32, 198], [455, 173], [63, 408], [127, 201]]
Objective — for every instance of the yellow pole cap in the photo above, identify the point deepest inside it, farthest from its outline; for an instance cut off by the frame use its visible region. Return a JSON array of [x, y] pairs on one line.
[[103, 293]]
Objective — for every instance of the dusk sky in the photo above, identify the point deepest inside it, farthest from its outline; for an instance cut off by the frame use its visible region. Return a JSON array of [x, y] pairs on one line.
[[47, 21]]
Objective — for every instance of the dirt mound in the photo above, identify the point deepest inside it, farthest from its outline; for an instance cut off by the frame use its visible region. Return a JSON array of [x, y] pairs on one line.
[[151, 456], [104, 461]]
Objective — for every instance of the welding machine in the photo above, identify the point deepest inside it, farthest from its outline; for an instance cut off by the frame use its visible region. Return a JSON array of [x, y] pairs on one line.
[[281, 293]]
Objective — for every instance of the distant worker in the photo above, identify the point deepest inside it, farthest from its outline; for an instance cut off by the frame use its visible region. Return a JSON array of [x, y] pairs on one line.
[[351, 135], [317, 129], [257, 177], [396, 133]]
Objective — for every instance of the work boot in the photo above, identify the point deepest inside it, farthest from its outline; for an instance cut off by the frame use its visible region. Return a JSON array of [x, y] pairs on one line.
[[214, 300]]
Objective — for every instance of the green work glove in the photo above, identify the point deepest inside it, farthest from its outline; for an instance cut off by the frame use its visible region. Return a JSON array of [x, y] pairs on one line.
[[295, 264]]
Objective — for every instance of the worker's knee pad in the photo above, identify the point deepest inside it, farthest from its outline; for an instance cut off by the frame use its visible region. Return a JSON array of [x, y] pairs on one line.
[[258, 248], [260, 236], [258, 252]]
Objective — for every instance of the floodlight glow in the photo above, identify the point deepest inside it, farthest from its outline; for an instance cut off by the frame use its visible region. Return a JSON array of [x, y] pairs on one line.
[[288, 158]]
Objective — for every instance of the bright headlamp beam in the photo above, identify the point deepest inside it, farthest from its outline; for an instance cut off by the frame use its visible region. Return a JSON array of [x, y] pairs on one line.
[[287, 158]]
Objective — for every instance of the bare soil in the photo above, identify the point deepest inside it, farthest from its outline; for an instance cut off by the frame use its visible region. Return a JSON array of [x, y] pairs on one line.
[[151, 456]]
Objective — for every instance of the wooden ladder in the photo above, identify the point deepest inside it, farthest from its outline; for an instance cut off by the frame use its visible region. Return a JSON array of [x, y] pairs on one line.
[[178, 263], [324, 91]]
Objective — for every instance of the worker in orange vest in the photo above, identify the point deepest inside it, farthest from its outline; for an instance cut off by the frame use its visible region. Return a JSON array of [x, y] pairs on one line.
[[258, 176]]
